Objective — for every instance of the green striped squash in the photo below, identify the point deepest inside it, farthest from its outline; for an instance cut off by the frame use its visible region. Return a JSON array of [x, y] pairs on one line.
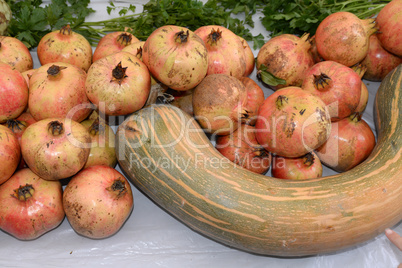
[[165, 154]]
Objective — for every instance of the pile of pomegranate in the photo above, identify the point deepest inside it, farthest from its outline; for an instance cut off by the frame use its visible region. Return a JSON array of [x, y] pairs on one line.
[[57, 148]]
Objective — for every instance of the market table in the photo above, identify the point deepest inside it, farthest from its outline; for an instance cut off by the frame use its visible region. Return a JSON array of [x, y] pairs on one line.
[[152, 238]]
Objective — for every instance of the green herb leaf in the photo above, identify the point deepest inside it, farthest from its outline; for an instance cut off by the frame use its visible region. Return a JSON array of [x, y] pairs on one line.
[[268, 78]]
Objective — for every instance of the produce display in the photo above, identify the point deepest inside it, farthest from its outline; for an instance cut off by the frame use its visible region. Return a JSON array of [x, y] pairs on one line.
[[176, 108]]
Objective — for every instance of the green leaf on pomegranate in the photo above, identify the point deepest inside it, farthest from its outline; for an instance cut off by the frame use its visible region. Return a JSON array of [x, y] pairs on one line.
[[268, 78]]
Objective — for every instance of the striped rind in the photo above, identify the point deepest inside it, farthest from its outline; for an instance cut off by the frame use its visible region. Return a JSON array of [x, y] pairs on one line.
[[157, 151]]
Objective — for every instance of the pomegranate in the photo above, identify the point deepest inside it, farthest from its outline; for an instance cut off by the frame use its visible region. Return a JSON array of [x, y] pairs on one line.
[[30, 205], [255, 98], [350, 143], [13, 93], [66, 46], [112, 43], [242, 148], [292, 122], [364, 96], [219, 103], [53, 92], [15, 53], [176, 57], [337, 85], [344, 38], [378, 61], [102, 145], [226, 53], [249, 56], [118, 84], [283, 60], [10, 153], [55, 148], [389, 22], [97, 201], [301, 168]]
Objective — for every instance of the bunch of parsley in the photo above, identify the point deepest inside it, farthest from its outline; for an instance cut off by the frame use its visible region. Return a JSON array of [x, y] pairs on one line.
[[32, 20], [301, 16], [187, 13]]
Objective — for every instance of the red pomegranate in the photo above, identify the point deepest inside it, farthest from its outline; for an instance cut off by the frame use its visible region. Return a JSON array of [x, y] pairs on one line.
[[350, 143], [379, 62], [15, 53], [283, 60], [54, 93], [30, 205], [112, 43], [300, 168], [242, 148], [344, 38], [219, 103], [389, 22], [292, 122], [118, 84], [337, 85], [176, 57], [66, 46], [97, 201], [226, 54], [55, 148]]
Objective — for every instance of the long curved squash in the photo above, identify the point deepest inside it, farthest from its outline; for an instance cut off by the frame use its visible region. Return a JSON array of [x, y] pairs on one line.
[[165, 154]]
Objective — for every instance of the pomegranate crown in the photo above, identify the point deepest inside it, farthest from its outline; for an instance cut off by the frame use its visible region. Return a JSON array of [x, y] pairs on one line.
[[66, 30], [182, 36], [214, 36], [125, 39], [119, 73]]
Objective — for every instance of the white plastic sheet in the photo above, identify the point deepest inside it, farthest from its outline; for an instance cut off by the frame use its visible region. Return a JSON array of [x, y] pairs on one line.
[[152, 238]]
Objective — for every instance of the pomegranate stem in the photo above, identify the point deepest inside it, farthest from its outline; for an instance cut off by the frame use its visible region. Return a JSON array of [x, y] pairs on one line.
[[54, 70]]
